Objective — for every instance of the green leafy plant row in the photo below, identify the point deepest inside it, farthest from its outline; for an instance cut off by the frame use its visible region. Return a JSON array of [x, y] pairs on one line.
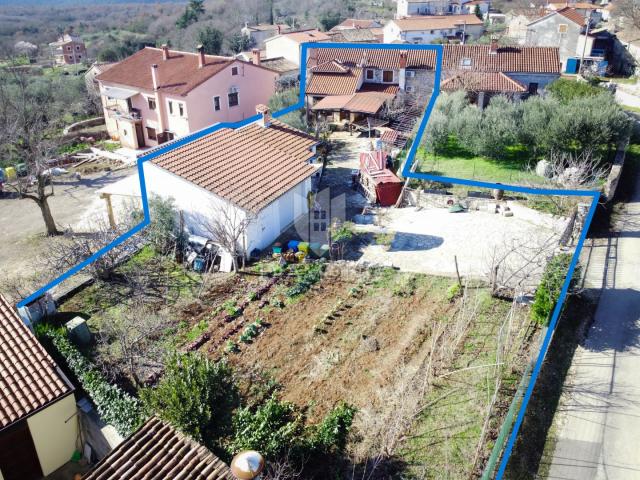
[[550, 287], [114, 406]]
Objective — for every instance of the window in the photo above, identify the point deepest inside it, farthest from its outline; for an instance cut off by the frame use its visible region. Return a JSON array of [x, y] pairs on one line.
[[78, 47], [216, 104], [181, 109], [533, 88], [234, 70], [233, 99], [369, 74], [152, 103], [79, 57], [563, 28], [151, 133], [168, 136], [170, 103], [411, 73], [387, 76], [68, 48]]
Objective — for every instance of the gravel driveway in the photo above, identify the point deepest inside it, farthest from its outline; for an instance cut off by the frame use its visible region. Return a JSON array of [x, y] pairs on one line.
[[21, 224], [426, 241]]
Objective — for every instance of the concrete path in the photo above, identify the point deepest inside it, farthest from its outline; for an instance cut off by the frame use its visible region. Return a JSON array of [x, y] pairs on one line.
[[598, 423]]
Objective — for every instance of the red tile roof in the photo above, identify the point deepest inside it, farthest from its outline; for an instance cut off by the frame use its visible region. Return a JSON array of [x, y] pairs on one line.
[[29, 378], [356, 23], [507, 58], [573, 15], [330, 67], [304, 36], [179, 74], [250, 166], [159, 451], [438, 22], [334, 83], [367, 102], [493, 82]]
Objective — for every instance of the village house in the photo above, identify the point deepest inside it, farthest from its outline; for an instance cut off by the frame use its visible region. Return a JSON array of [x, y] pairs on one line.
[[426, 30], [157, 94], [94, 70], [259, 175], [409, 8], [357, 35], [355, 23], [288, 45], [257, 34], [354, 87], [69, 49], [38, 423], [566, 29], [587, 10], [158, 450]]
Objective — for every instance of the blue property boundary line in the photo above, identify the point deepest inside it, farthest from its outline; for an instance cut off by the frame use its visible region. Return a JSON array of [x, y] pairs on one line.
[[406, 172]]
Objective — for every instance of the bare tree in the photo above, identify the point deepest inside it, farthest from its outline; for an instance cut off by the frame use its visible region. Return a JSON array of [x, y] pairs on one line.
[[629, 10], [227, 225], [27, 131], [130, 340]]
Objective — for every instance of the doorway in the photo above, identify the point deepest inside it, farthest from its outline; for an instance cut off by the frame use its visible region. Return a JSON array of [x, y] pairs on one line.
[[18, 456]]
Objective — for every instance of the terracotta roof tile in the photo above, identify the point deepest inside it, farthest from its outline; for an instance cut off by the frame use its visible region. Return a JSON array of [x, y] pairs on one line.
[[179, 74], [356, 23], [251, 166], [159, 451], [436, 22], [334, 83], [483, 82], [572, 14], [29, 378], [507, 59]]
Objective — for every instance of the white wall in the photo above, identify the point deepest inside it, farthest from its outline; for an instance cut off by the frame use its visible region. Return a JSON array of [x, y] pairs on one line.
[[199, 204], [392, 33], [283, 46], [54, 431]]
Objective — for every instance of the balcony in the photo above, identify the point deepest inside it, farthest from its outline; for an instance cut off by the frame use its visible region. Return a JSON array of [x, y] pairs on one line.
[[133, 114]]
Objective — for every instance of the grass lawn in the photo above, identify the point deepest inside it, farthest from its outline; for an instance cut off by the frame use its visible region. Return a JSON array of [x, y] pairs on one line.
[[458, 163]]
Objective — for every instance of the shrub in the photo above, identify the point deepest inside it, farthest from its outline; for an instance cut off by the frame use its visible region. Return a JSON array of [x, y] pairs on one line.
[[550, 286], [306, 276], [272, 428], [453, 291], [114, 406], [333, 432], [196, 395]]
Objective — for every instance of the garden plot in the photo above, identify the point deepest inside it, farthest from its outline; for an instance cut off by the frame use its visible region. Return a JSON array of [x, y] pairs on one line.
[[428, 240], [431, 367]]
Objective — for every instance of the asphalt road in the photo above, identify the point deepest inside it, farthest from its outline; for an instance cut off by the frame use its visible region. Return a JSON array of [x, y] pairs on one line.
[[598, 426]]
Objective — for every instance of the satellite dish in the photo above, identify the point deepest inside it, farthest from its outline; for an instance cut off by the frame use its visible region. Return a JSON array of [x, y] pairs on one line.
[[247, 465]]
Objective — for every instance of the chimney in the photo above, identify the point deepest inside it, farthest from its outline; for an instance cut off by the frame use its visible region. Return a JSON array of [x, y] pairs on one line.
[[279, 29], [263, 110], [493, 48], [201, 59], [154, 76], [247, 465], [403, 60], [165, 51], [255, 56]]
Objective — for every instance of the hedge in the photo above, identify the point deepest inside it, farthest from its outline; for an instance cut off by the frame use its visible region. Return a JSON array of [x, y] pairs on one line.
[[114, 406], [550, 286]]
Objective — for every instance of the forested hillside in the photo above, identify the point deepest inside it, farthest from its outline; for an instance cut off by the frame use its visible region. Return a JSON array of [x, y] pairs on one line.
[[113, 29]]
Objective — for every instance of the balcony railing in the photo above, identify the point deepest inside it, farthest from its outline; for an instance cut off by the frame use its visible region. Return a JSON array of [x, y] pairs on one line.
[[133, 114]]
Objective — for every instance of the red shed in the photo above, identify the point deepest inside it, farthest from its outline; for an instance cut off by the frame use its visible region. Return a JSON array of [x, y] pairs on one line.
[[380, 184]]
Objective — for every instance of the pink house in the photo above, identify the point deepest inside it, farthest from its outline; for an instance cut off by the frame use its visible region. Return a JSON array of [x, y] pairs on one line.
[[157, 94]]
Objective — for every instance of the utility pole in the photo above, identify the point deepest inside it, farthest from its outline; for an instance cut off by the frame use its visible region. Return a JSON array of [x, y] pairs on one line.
[[584, 43]]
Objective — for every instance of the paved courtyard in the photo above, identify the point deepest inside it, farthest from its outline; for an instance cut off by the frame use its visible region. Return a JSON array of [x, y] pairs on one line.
[[427, 241]]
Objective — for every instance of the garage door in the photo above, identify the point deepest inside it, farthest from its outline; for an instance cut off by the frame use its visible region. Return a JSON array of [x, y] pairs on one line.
[[18, 457]]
